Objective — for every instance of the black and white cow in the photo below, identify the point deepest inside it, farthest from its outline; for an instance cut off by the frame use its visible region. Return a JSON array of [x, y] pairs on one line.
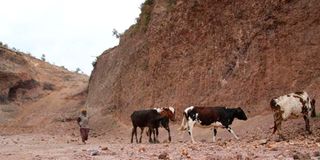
[[211, 117], [297, 104]]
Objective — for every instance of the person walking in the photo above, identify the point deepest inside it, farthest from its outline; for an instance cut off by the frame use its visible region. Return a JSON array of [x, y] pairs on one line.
[[83, 122]]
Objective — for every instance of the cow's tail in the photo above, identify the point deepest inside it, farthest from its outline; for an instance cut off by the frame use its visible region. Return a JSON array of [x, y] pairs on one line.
[[184, 125], [313, 112]]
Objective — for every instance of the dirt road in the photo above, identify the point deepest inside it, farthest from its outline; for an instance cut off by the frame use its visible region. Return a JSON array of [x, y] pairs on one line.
[[115, 144]]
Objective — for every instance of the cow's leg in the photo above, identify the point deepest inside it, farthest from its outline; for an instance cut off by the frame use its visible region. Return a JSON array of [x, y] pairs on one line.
[[278, 127], [168, 129], [183, 124], [277, 123], [214, 133], [140, 139], [136, 134], [306, 119], [157, 134], [132, 133], [150, 134], [191, 124], [231, 131], [277, 117], [274, 127]]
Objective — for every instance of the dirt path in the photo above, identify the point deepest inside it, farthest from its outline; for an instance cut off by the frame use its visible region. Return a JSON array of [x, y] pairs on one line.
[[115, 144]]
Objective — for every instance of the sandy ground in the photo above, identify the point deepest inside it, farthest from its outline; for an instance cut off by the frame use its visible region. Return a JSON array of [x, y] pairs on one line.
[[115, 143]]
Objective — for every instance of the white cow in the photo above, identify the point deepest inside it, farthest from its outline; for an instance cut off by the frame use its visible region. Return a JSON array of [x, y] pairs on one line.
[[292, 105]]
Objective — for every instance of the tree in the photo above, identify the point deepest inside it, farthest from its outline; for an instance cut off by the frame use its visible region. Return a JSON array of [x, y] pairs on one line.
[[78, 70], [115, 33], [43, 57]]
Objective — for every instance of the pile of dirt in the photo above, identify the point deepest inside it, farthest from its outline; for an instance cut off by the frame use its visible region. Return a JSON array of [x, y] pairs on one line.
[[36, 96], [233, 53]]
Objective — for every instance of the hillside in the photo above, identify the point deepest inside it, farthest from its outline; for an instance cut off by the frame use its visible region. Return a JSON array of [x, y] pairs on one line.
[[233, 53], [197, 52], [36, 96]]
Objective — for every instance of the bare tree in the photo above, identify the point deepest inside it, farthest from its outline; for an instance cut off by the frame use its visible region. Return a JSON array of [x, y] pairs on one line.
[[115, 33]]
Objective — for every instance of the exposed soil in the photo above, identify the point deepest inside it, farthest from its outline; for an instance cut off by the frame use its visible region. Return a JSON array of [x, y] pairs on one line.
[[180, 53], [114, 143]]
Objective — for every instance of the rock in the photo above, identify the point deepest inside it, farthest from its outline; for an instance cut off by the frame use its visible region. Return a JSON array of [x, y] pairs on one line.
[[299, 155], [316, 154], [166, 141], [166, 145], [263, 141], [104, 148], [318, 140], [94, 152], [142, 149], [114, 153], [193, 148], [184, 152], [239, 156], [163, 155]]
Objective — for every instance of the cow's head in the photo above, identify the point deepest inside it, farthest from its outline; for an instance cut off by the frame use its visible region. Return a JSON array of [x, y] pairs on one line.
[[240, 114], [313, 107], [168, 112]]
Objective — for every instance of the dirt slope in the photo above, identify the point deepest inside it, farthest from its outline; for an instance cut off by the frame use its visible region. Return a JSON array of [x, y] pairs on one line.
[[36, 96], [234, 53]]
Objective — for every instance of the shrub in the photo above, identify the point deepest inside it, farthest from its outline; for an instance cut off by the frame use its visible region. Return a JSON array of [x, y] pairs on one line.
[[43, 57], [48, 86]]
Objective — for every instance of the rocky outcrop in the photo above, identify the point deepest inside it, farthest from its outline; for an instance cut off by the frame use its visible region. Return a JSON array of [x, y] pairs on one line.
[[15, 73], [234, 53]]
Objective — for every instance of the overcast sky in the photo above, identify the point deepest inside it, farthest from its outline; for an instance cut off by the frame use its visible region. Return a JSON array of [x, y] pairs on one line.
[[70, 33]]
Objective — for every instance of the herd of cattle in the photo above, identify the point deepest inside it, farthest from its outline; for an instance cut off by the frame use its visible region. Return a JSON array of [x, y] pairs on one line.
[[297, 104]]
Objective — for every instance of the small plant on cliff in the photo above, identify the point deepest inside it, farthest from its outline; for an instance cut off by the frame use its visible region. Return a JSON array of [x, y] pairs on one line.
[[116, 33], [5, 46], [94, 62], [78, 70], [43, 57]]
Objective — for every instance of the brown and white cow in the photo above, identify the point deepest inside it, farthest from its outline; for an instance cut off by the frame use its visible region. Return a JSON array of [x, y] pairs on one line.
[[211, 117], [168, 112], [292, 105], [153, 119]]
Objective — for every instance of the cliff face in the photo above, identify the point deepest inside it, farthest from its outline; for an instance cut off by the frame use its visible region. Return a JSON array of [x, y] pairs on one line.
[[233, 53]]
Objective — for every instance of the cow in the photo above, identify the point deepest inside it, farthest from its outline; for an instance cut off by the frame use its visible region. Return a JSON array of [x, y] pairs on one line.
[[297, 104], [152, 118], [211, 117], [168, 112]]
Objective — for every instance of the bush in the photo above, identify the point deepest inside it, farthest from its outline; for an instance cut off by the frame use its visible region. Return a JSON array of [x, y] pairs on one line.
[[48, 86], [43, 57]]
